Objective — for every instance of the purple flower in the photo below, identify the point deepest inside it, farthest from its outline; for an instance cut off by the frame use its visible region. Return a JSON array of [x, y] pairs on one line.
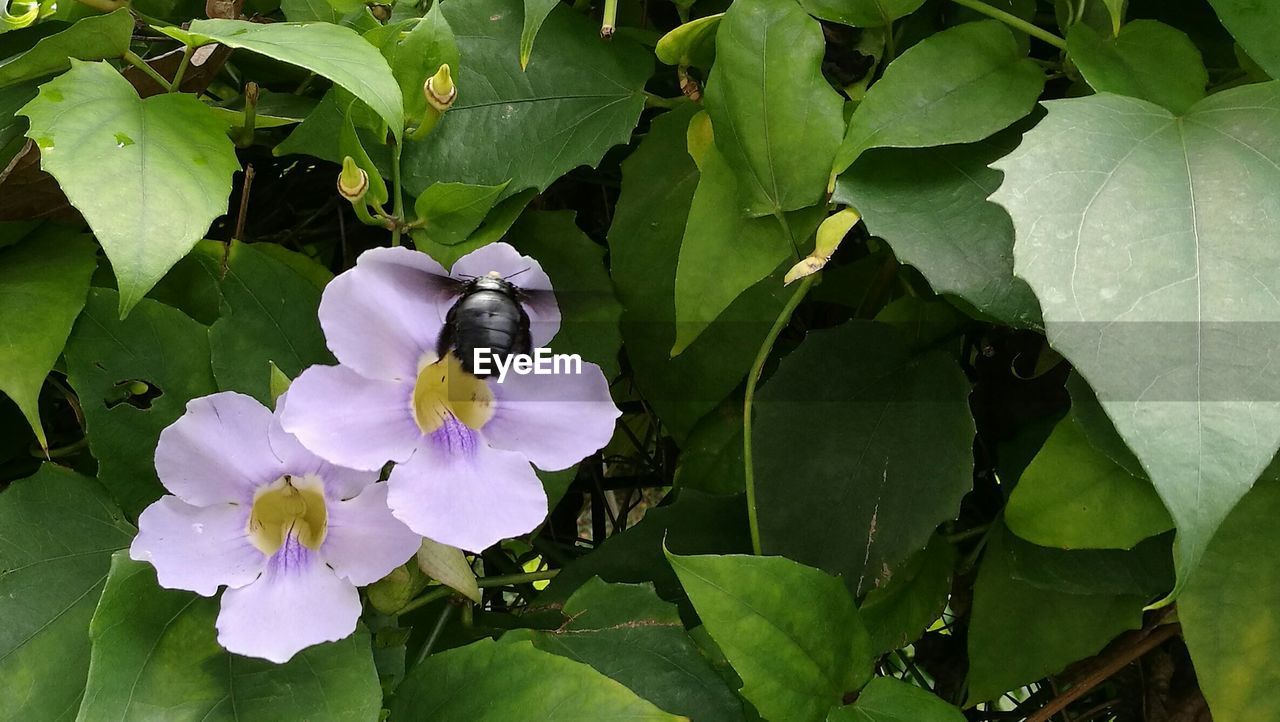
[[290, 535], [462, 445]]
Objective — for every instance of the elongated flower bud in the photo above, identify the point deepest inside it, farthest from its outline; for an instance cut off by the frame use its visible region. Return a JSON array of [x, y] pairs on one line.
[[440, 90], [830, 233], [352, 181]]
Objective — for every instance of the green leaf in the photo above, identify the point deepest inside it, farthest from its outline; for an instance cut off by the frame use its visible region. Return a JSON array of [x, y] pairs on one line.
[[796, 659], [449, 566], [1019, 633], [529, 127], [43, 282], [693, 43], [57, 532], [1074, 495], [148, 175], [1253, 24], [451, 211], [886, 699], [900, 610], [711, 457], [777, 120], [723, 253], [268, 318], [626, 632], [419, 55], [931, 206], [156, 655], [535, 13], [1228, 612], [329, 11], [1148, 239], [696, 523], [486, 680], [1147, 60], [93, 38], [957, 86], [332, 51], [1146, 570], [861, 450], [575, 264], [861, 13], [658, 182], [161, 349]]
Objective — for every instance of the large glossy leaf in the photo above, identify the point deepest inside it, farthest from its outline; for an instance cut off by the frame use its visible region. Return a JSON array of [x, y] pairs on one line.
[[575, 263], [626, 632], [861, 13], [1147, 60], [1228, 612], [156, 656], [488, 680], [268, 316], [931, 206], [854, 473], [333, 51], [644, 242], [796, 661], [43, 282], [57, 532], [148, 175], [723, 253], [777, 120], [529, 127], [886, 699], [1148, 239], [1019, 633], [1253, 23], [100, 36], [958, 86], [134, 378], [1075, 495]]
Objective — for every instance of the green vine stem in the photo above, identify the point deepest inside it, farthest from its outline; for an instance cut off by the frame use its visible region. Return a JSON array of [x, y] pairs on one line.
[[397, 198], [132, 58], [182, 69], [1014, 21], [501, 580], [757, 367]]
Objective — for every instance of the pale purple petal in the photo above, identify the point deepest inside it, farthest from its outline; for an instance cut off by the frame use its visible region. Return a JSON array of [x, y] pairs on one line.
[[197, 548], [525, 272], [218, 450], [553, 420], [457, 491], [339, 481], [380, 317], [365, 542], [351, 420], [297, 602]]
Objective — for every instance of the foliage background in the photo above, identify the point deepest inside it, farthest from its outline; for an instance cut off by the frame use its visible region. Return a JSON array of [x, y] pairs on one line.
[[1008, 455]]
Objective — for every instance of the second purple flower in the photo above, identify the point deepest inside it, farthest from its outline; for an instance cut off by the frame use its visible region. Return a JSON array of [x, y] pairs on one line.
[[464, 447]]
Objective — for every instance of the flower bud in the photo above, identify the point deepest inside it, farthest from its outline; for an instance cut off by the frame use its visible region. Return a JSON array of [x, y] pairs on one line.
[[830, 234], [440, 90], [352, 181]]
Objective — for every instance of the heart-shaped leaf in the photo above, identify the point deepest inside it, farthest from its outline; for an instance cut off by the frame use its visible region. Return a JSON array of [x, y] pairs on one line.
[[149, 175], [93, 38], [1149, 239], [1147, 60]]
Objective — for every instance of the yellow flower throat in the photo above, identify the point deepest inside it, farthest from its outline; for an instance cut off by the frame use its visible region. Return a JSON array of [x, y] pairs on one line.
[[290, 504], [443, 390]]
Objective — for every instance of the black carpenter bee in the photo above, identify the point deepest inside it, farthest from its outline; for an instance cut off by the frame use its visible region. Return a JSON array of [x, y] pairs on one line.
[[489, 314]]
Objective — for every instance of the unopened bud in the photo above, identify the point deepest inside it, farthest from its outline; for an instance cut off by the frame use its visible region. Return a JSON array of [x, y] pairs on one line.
[[830, 233], [352, 181], [440, 90]]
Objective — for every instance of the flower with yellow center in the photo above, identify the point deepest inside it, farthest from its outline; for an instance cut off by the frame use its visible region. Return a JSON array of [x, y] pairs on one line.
[[283, 530], [464, 448]]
